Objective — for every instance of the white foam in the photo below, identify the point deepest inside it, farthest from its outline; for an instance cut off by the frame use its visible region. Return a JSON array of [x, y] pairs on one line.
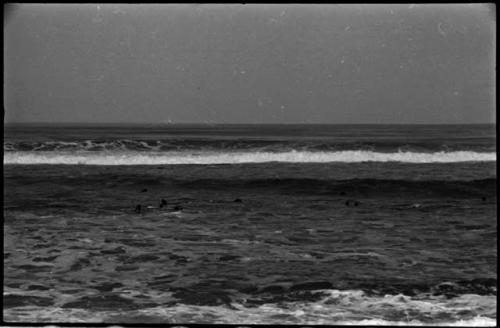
[[475, 322], [220, 315], [186, 157], [346, 307]]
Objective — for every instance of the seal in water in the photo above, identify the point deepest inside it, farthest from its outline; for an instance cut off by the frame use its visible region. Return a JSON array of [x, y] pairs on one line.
[[163, 202], [351, 202], [138, 208], [178, 208]]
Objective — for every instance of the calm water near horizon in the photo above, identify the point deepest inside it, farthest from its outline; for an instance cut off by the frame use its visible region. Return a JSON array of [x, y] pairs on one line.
[[276, 224]]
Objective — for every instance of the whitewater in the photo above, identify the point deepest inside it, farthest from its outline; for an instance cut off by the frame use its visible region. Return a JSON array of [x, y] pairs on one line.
[[237, 157]]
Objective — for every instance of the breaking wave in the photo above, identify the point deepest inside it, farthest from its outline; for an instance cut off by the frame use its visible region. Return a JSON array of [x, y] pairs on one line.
[[348, 307], [237, 157]]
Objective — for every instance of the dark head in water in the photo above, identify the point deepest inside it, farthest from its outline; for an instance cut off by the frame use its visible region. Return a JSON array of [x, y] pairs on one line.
[[237, 200], [144, 190], [138, 208], [178, 208], [163, 202], [351, 202]]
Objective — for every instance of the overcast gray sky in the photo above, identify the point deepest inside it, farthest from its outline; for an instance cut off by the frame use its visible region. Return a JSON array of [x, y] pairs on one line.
[[250, 63]]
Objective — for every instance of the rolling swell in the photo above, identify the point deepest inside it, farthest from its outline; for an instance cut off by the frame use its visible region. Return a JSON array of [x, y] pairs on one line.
[[353, 186]]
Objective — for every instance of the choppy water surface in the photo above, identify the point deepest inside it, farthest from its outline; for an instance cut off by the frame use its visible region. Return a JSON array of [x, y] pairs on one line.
[[297, 243]]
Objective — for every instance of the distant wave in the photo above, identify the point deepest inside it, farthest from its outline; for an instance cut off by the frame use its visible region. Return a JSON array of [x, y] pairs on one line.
[[88, 145], [253, 144], [204, 157]]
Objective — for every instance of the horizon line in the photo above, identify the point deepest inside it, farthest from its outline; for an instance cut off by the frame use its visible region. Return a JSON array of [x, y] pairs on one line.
[[213, 123]]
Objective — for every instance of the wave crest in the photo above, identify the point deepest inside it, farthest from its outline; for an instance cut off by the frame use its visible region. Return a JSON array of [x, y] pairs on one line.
[[159, 158]]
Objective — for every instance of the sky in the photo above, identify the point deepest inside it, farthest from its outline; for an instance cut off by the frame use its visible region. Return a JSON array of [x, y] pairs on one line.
[[253, 64]]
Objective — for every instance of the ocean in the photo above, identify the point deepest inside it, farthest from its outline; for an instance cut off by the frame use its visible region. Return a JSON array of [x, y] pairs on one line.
[[250, 224]]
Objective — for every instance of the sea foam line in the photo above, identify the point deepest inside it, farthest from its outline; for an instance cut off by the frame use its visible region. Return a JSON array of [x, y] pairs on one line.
[[188, 157], [338, 307]]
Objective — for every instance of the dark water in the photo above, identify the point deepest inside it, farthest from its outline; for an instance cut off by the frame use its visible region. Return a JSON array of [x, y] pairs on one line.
[[273, 138], [297, 224]]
